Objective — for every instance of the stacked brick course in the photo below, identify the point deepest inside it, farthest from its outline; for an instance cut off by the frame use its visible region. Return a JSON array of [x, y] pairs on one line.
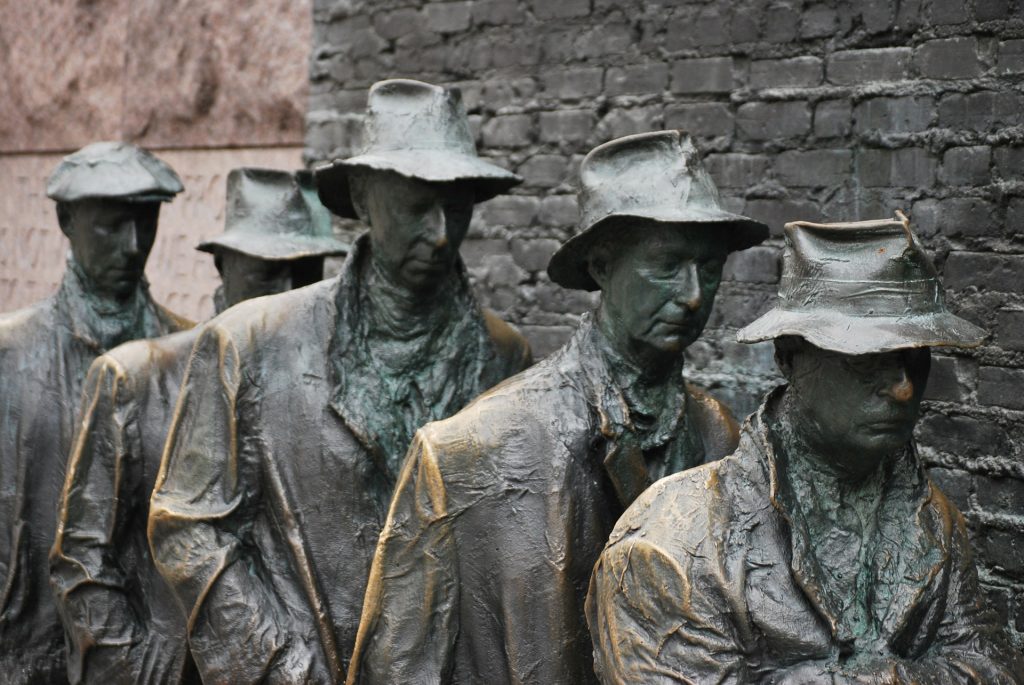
[[823, 110]]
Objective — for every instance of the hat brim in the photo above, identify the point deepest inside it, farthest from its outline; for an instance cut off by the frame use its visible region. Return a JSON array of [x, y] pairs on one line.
[[568, 266], [865, 334], [277, 247], [433, 166]]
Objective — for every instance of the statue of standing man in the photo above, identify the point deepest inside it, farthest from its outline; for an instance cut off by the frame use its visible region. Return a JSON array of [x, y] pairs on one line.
[[296, 409], [108, 199], [501, 510]]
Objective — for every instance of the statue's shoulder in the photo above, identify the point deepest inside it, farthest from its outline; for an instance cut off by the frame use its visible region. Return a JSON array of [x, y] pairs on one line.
[[507, 340], [299, 312], [170, 321], [21, 327], [141, 357], [715, 421]]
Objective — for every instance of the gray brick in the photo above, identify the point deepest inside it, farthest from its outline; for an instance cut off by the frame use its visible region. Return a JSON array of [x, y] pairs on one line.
[[993, 272], [573, 84], [1010, 329], [638, 79], [966, 165], [907, 167], [397, 23], [1000, 495], [770, 120], [566, 126], [960, 435], [1001, 387], [960, 217], [778, 73], [1005, 550], [534, 254], [710, 75], [990, 10], [755, 265], [813, 168], [508, 130], [701, 119], [544, 171], [546, 339], [510, 210], [1009, 162], [624, 122], [982, 111], [737, 170], [780, 24], [886, 115], [448, 17], [1010, 57], [497, 13], [819, 21], [948, 11], [560, 9], [832, 119], [854, 67], [948, 380], [777, 212], [877, 15], [559, 210], [948, 58]]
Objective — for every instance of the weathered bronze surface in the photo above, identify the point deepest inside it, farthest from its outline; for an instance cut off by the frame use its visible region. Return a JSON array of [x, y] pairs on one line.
[[819, 552], [296, 409], [108, 201], [501, 510], [122, 622]]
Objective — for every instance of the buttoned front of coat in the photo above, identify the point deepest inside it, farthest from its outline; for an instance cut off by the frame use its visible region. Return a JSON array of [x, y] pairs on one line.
[[498, 517], [710, 578], [268, 506], [45, 351]]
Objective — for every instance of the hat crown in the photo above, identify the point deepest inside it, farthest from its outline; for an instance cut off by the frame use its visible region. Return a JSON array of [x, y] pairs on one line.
[[868, 268], [646, 175], [114, 170], [271, 202], [403, 114]]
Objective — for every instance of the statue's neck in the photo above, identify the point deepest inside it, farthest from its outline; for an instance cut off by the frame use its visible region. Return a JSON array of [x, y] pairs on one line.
[[397, 309]]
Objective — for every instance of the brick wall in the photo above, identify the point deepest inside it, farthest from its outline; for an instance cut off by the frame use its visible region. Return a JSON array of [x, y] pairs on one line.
[[823, 110]]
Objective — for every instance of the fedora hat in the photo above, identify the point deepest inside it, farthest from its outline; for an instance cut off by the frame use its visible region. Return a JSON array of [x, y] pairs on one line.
[[859, 288], [657, 178], [273, 214], [417, 130], [119, 171]]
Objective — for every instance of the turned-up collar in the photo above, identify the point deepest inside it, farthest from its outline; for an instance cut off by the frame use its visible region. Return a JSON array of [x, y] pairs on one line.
[[914, 549]]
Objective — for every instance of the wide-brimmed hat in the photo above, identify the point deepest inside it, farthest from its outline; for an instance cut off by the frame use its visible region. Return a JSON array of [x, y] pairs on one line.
[[655, 177], [420, 131], [273, 214], [113, 170], [859, 288]]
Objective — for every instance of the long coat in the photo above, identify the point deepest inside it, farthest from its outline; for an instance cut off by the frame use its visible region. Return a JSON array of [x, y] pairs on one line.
[[45, 351], [710, 578], [271, 497], [498, 517], [122, 621]]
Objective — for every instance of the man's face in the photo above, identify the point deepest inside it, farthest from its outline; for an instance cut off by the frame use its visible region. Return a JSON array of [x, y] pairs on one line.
[[416, 227], [658, 287], [111, 241], [246, 277], [858, 409]]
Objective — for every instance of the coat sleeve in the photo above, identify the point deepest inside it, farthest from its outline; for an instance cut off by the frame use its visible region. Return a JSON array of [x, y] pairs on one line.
[[651, 624], [202, 513], [409, 621], [98, 497]]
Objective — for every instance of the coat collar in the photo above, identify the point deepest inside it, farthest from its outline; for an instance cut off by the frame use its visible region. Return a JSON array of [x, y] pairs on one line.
[[911, 548]]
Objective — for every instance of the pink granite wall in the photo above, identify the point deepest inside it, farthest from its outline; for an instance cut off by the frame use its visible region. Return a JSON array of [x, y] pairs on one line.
[[208, 84]]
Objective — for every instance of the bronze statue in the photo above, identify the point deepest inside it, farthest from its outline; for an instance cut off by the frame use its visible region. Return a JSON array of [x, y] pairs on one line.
[[108, 199], [819, 552], [296, 409], [501, 510], [122, 622]]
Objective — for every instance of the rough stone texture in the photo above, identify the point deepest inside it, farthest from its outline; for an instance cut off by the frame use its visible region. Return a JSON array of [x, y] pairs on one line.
[[823, 111], [181, 277], [162, 73]]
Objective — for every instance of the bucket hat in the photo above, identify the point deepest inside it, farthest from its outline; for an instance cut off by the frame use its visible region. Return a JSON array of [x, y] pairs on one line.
[[113, 170], [655, 177], [420, 131], [273, 214], [860, 288]]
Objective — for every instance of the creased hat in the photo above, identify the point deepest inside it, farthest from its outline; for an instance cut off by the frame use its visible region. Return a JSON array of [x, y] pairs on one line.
[[273, 214], [113, 170], [860, 288], [657, 177], [420, 131]]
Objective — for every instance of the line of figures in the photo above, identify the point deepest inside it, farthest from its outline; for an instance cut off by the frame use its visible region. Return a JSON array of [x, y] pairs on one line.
[[365, 479]]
